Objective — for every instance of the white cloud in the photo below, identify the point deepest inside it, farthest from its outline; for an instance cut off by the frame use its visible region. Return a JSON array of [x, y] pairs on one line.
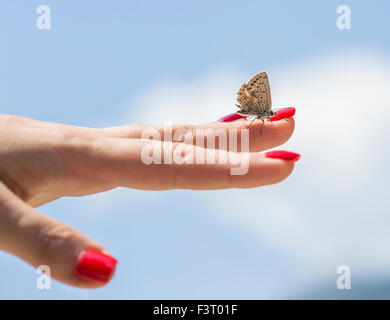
[[203, 99], [334, 209]]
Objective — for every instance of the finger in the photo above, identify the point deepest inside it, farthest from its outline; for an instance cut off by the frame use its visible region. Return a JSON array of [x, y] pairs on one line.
[[262, 136], [155, 165], [72, 257]]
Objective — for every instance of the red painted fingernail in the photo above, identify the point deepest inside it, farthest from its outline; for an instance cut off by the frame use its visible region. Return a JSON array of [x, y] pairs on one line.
[[283, 114], [231, 117], [96, 265], [284, 155]]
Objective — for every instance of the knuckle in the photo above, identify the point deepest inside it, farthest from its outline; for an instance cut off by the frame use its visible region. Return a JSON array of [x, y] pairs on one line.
[[76, 138], [52, 240]]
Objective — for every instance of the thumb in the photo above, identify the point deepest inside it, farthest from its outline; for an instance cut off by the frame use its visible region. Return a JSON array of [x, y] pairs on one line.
[[72, 257]]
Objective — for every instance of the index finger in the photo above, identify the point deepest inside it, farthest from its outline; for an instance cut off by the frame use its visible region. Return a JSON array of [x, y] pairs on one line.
[[262, 136]]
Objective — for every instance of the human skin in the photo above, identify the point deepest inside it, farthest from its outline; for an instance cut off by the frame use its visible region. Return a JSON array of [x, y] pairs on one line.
[[42, 161]]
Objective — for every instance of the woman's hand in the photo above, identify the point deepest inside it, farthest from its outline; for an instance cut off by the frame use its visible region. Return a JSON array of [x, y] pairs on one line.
[[41, 162]]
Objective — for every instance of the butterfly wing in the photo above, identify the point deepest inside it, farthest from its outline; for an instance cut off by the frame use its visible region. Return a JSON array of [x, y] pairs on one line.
[[254, 97]]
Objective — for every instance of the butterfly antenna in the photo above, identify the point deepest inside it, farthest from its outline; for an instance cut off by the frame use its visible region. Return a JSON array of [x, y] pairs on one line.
[[281, 108]]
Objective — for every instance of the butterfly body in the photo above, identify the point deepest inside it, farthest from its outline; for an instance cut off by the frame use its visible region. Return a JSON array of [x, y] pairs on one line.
[[259, 114], [254, 97]]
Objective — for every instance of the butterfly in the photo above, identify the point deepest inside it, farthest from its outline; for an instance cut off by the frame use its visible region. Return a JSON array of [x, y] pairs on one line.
[[254, 98]]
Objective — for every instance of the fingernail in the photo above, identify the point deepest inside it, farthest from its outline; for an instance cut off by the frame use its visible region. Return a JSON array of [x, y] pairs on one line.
[[96, 265], [231, 117], [283, 114], [284, 155]]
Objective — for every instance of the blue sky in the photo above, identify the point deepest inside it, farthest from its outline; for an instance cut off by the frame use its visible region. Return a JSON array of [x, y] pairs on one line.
[[99, 55]]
